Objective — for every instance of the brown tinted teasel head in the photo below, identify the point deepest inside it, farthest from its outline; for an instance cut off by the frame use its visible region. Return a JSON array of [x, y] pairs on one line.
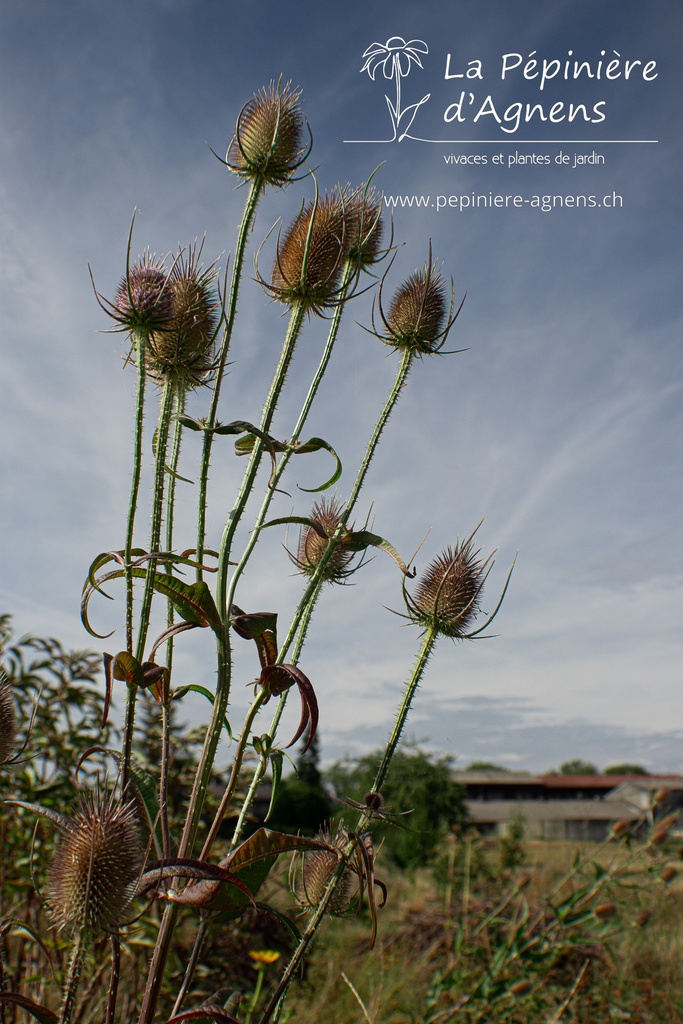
[[96, 866], [268, 144], [446, 597], [309, 259]]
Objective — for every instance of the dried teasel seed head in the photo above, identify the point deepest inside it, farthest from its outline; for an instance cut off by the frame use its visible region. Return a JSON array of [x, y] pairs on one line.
[[668, 873], [318, 867], [268, 144], [96, 866], [313, 543], [8, 723], [446, 598], [418, 314], [184, 350], [143, 300], [364, 226], [310, 257]]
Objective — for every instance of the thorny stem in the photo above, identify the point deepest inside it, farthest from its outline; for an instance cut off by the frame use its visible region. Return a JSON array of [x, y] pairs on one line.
[[165, 703], [234, 774], [224, 594], [350, 271], [215, 725], [114, 978], [165, 413], [140, 338], [250, 205], [366, 817], [302, 617], [192, 965], [76, 962], [426, 648], [302, 614]]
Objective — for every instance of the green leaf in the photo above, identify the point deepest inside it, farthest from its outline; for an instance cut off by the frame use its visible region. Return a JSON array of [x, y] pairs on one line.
[[315, 444], [276, 761], [362, 539]]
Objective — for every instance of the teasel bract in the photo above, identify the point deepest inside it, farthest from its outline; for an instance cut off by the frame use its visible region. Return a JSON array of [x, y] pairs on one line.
[[268, 143]]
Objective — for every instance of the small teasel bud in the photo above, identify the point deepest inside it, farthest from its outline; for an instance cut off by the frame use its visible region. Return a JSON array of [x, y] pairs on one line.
[[374, 801], [642, 917], [316, 873], [418, 314], [446, 598], [143, 300], [96, 866], [313, 543], [268, 142], [183, 351], [8, 724], [310, 257], [668, 873]]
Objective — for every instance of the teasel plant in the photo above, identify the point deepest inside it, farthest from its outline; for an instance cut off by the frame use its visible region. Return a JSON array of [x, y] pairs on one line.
[[179, 315]]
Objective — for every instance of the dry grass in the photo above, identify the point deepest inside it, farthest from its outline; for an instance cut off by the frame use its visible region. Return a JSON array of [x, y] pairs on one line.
[[615, 970]]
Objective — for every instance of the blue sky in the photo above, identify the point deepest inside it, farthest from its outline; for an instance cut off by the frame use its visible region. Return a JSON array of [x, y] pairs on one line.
[[560, 424]]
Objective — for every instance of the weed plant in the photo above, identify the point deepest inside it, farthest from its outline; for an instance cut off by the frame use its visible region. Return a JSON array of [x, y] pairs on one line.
[[131, 866]]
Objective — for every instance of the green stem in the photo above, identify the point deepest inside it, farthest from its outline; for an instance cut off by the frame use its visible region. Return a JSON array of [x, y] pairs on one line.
[[234, 774], [131, 694], [140, 346], [165, 413], [350, 271], [192, 964], [308, 935], [250, 205], [76, 962], [302, 614], [428, 642], [224, 665], [224, 594]]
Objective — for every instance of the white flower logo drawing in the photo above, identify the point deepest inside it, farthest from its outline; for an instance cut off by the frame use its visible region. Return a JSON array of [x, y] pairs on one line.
[[396, 57]]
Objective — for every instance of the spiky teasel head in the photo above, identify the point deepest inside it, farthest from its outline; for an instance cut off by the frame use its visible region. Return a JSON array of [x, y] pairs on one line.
[[446, 598], [143, 300], [8, 724], [268, 144], [184, 349], [325, 519], [420, 313], [311, 875], [310, 258], [96, 865], [364, 231]]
